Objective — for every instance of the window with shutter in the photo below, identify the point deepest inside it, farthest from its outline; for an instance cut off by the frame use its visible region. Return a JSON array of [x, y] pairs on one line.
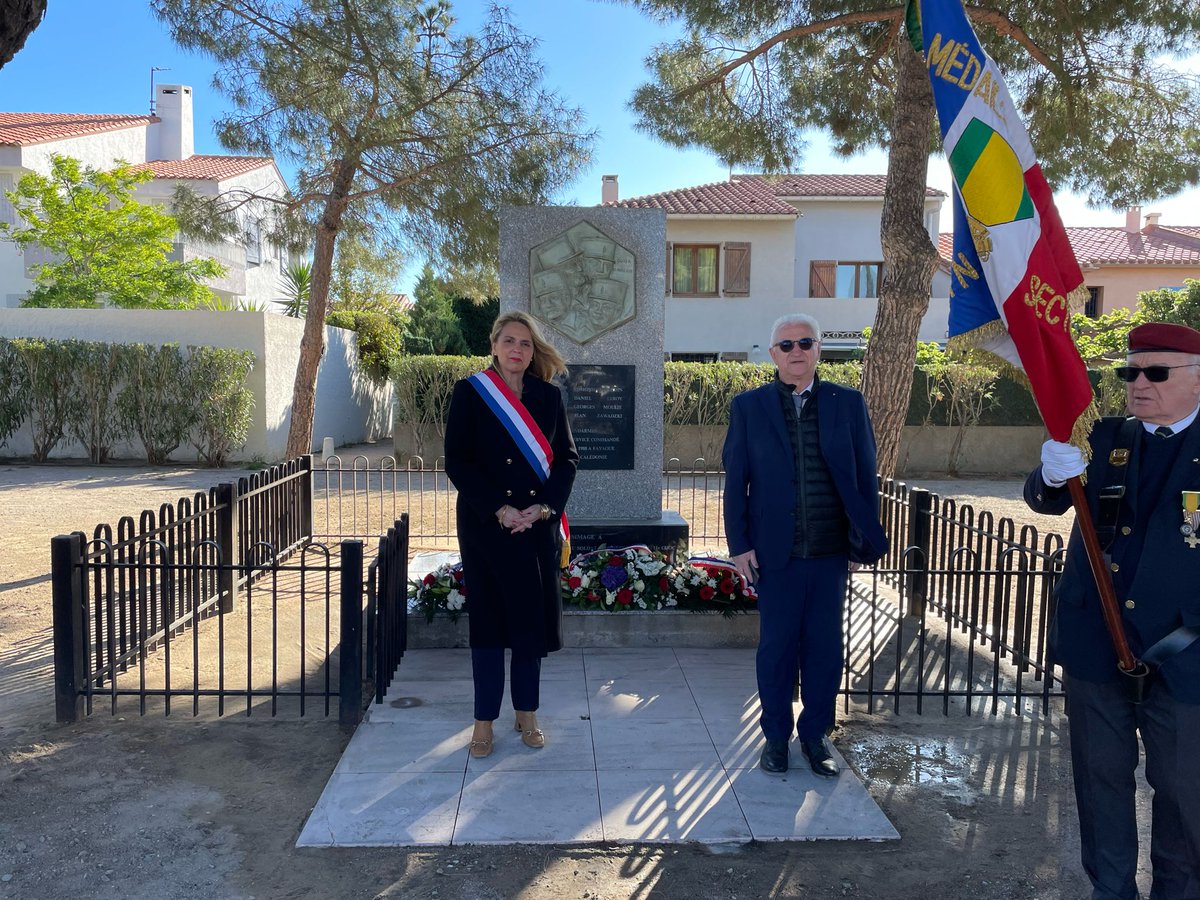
[[737, 268], [822, 275], [694, 270]]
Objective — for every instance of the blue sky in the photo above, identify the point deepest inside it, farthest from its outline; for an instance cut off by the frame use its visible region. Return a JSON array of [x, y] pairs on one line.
[[90, 56]]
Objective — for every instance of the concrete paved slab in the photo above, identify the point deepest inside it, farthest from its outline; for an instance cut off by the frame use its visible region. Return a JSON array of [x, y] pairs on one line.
[[643, 745]]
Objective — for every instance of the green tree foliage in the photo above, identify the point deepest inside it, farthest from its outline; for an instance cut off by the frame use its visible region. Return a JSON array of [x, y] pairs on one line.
[[104, 246], [396, 117], [1102, 340], [1181, 307], [475, 321], [1108, 116], [378, 338], [364, 273], [433, 317]]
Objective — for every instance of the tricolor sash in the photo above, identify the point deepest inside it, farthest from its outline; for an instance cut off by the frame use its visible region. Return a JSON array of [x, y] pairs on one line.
[[521, 427]]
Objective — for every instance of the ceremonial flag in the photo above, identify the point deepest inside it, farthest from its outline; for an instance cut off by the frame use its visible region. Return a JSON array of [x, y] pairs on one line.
[[1014, 273]]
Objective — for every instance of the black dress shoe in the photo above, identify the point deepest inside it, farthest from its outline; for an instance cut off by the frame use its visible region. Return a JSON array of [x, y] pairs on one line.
[[819, 757], [774, 757]]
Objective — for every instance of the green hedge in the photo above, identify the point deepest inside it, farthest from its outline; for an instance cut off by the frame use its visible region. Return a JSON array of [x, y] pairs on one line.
[[700, 393], [98, 394]]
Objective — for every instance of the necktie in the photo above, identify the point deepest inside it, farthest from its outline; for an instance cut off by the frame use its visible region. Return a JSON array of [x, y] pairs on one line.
[[804, 398], [1164, 431]]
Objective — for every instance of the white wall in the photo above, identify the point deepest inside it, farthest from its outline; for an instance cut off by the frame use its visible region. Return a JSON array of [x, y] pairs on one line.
[[349, 408], [707, 325]]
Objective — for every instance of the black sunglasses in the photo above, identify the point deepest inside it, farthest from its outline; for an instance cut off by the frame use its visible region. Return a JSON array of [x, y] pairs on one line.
[[1157, 374], [803, 344]]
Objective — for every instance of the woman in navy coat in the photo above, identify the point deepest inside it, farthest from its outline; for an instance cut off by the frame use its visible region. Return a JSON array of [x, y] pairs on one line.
[[510, 454]]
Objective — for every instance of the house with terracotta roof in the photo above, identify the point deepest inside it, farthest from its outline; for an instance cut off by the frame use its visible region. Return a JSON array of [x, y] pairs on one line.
[[740, 253], [162, 143], [1119, 262]]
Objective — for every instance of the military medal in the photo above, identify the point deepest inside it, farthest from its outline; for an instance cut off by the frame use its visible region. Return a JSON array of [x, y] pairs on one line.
[[1191, 520]]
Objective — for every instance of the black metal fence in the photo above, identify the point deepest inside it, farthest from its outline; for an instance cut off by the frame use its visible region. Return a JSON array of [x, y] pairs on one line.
[[227, 596], [387, 607], [957, 611]]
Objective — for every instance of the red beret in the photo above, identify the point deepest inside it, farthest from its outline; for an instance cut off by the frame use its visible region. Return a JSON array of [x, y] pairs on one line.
[[1161, 337]]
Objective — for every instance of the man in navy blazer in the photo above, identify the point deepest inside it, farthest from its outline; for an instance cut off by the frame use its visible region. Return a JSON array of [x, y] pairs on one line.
[[1147, 467], [801, 509]]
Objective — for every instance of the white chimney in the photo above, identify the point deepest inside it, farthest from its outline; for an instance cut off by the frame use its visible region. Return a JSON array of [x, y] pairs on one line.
[[174, 107], [1152, 220], [608, 189], [1133, 219]]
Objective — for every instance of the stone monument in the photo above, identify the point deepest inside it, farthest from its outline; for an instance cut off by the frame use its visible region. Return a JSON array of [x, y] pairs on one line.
[[594, 279]]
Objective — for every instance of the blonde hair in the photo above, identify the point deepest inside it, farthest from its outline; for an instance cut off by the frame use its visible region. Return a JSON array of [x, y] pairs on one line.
[[547, 362]]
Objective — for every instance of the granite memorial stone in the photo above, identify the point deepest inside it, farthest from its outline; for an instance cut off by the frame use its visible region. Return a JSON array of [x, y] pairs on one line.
[[595, 278]]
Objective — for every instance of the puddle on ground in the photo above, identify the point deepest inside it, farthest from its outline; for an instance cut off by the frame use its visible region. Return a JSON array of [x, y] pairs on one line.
[[910, 762]]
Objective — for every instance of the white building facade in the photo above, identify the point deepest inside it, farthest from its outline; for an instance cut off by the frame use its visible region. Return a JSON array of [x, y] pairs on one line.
[[164, 144], [742, 253]]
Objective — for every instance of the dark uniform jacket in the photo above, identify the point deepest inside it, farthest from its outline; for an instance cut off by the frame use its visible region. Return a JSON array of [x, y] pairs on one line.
[[513, 594], [760, 474], [1158, 573]]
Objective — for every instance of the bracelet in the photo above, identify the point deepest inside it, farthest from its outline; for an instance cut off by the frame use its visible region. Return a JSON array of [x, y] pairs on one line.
[[546, 513], [500, 513]]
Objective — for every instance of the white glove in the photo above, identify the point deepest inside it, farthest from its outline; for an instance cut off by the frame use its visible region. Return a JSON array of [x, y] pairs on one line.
[[1061, 461]]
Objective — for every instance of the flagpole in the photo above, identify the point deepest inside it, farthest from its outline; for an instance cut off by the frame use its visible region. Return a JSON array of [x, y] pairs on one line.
[[1108, 599]]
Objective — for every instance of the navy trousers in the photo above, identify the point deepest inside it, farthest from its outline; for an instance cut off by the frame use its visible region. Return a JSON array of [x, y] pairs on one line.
[[1104, 727], [800, 631], [487, 668]]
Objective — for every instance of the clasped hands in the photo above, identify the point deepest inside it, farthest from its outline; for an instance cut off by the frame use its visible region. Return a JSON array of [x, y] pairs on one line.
[[518, 520]]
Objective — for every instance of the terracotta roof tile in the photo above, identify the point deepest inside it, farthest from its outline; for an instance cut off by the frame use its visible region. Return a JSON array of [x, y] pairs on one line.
[[759, 194], [720, 198], [829, 185], [204, 168], [36, 128], [1114, 246]]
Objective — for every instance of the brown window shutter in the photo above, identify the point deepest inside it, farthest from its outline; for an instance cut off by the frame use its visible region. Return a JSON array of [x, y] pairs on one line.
[[822, 276], [737, 268], [668, 273]]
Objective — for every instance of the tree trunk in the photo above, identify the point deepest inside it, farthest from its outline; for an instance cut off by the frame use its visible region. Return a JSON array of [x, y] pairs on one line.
[[312, 345], [909, 259]]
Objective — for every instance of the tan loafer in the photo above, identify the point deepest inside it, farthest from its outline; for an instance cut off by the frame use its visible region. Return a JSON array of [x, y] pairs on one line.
[[531, 735], [481, 739]]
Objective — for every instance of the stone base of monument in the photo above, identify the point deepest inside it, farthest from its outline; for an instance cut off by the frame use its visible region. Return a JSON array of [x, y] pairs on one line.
[[595, 628], [666, 534]]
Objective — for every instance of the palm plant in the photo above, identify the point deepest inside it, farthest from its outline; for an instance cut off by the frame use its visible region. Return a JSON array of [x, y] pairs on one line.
[[296, 286]]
